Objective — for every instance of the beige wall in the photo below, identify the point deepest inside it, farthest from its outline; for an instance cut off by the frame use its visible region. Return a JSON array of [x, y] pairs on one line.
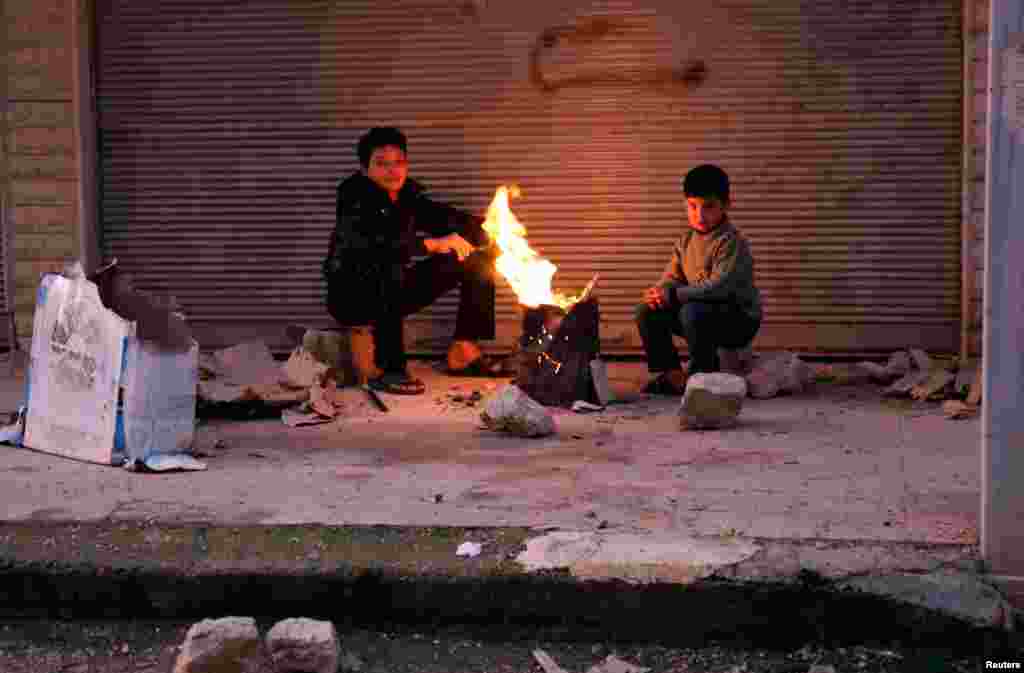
[[39, 134], [41, 141]]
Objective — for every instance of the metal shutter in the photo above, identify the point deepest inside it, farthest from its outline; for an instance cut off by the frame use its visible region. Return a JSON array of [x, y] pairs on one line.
[[225, 126]]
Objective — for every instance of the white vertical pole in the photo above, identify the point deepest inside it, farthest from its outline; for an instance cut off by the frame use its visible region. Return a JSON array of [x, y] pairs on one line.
[[1002, 464]]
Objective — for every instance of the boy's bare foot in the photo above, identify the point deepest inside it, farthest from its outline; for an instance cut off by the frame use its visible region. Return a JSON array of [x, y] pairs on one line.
[[461, 354]]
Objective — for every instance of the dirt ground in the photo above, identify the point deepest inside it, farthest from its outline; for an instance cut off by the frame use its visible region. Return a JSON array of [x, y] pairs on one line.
[[151, 647]]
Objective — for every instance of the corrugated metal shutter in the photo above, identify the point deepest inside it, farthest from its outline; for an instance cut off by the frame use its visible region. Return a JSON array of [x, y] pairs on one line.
[[226, 125]]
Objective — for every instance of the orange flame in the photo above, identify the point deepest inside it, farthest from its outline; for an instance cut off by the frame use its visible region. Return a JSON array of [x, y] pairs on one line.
[[527, 272]]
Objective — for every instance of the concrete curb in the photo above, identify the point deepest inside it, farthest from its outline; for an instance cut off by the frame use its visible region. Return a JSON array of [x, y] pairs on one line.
[[782, 593]]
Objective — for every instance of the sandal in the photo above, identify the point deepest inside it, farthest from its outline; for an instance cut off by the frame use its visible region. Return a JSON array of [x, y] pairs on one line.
[[484, 366], [660, 385], [397, 384]]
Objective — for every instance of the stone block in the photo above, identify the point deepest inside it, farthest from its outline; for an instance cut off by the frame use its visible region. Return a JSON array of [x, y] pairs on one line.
[[303, 646], [712, 401], [226, 645]]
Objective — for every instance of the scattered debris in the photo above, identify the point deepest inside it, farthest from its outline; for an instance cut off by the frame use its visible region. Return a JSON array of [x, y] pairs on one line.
[[323, 395], [302, 368], [547, 663], [938, 386], [876, 372], [611, 664], [469, 549], [350, 663], [165, 463], [301, 416], [955, 409], [513, 411], [899, 364], [712, 401]]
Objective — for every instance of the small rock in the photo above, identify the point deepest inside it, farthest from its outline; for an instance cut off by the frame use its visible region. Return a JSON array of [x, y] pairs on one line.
[[438, 498], [303, 646], [227, 645], [513, 411], [712, 401]]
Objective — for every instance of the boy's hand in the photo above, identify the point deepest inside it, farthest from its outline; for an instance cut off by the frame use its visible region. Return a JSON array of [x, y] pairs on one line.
[[654, 297], [451, 243]]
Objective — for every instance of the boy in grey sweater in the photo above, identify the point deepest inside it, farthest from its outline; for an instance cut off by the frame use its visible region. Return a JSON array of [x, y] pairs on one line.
[[706, 293]]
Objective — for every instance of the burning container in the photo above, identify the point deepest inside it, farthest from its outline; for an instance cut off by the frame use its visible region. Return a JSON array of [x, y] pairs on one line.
[[560, 336], [556, 351]]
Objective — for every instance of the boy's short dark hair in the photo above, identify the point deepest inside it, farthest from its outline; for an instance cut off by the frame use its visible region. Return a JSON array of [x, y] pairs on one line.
[[379, 136], [707, 180]]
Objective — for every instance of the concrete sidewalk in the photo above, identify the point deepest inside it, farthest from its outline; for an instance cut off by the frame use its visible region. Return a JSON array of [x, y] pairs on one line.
[[836, 482]]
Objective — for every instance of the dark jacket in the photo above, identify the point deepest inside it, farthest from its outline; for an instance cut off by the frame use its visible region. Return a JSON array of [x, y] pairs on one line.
[[375, 238]]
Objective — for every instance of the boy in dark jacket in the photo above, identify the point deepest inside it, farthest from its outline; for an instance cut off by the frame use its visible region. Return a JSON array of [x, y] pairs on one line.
[[706, 293], [371, 277]]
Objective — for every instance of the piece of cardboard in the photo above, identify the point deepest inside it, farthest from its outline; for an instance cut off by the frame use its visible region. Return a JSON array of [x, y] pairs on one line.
[[159, 400]]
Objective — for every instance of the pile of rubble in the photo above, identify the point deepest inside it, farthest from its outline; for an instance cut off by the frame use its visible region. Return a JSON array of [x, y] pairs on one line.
[[916, 375], [304, 390], [911, 373]]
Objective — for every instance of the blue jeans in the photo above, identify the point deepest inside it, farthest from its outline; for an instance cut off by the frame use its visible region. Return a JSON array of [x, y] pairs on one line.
[[706, 328]]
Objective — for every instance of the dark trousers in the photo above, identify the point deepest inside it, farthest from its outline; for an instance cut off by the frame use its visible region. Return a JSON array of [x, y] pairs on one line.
[[422, 284], [706, 328]]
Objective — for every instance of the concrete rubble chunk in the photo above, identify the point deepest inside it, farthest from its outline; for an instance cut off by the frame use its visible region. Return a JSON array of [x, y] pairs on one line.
[[877, 372], [939, 384], [712, 401], [302, 645], [779, 373], [903, 386], [959, 594], [512, 411], [921, 359], [226, 645], [634, 557], [899, 364]]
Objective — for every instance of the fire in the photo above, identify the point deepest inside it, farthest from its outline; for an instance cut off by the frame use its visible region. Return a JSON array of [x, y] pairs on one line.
[[527, 272]]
